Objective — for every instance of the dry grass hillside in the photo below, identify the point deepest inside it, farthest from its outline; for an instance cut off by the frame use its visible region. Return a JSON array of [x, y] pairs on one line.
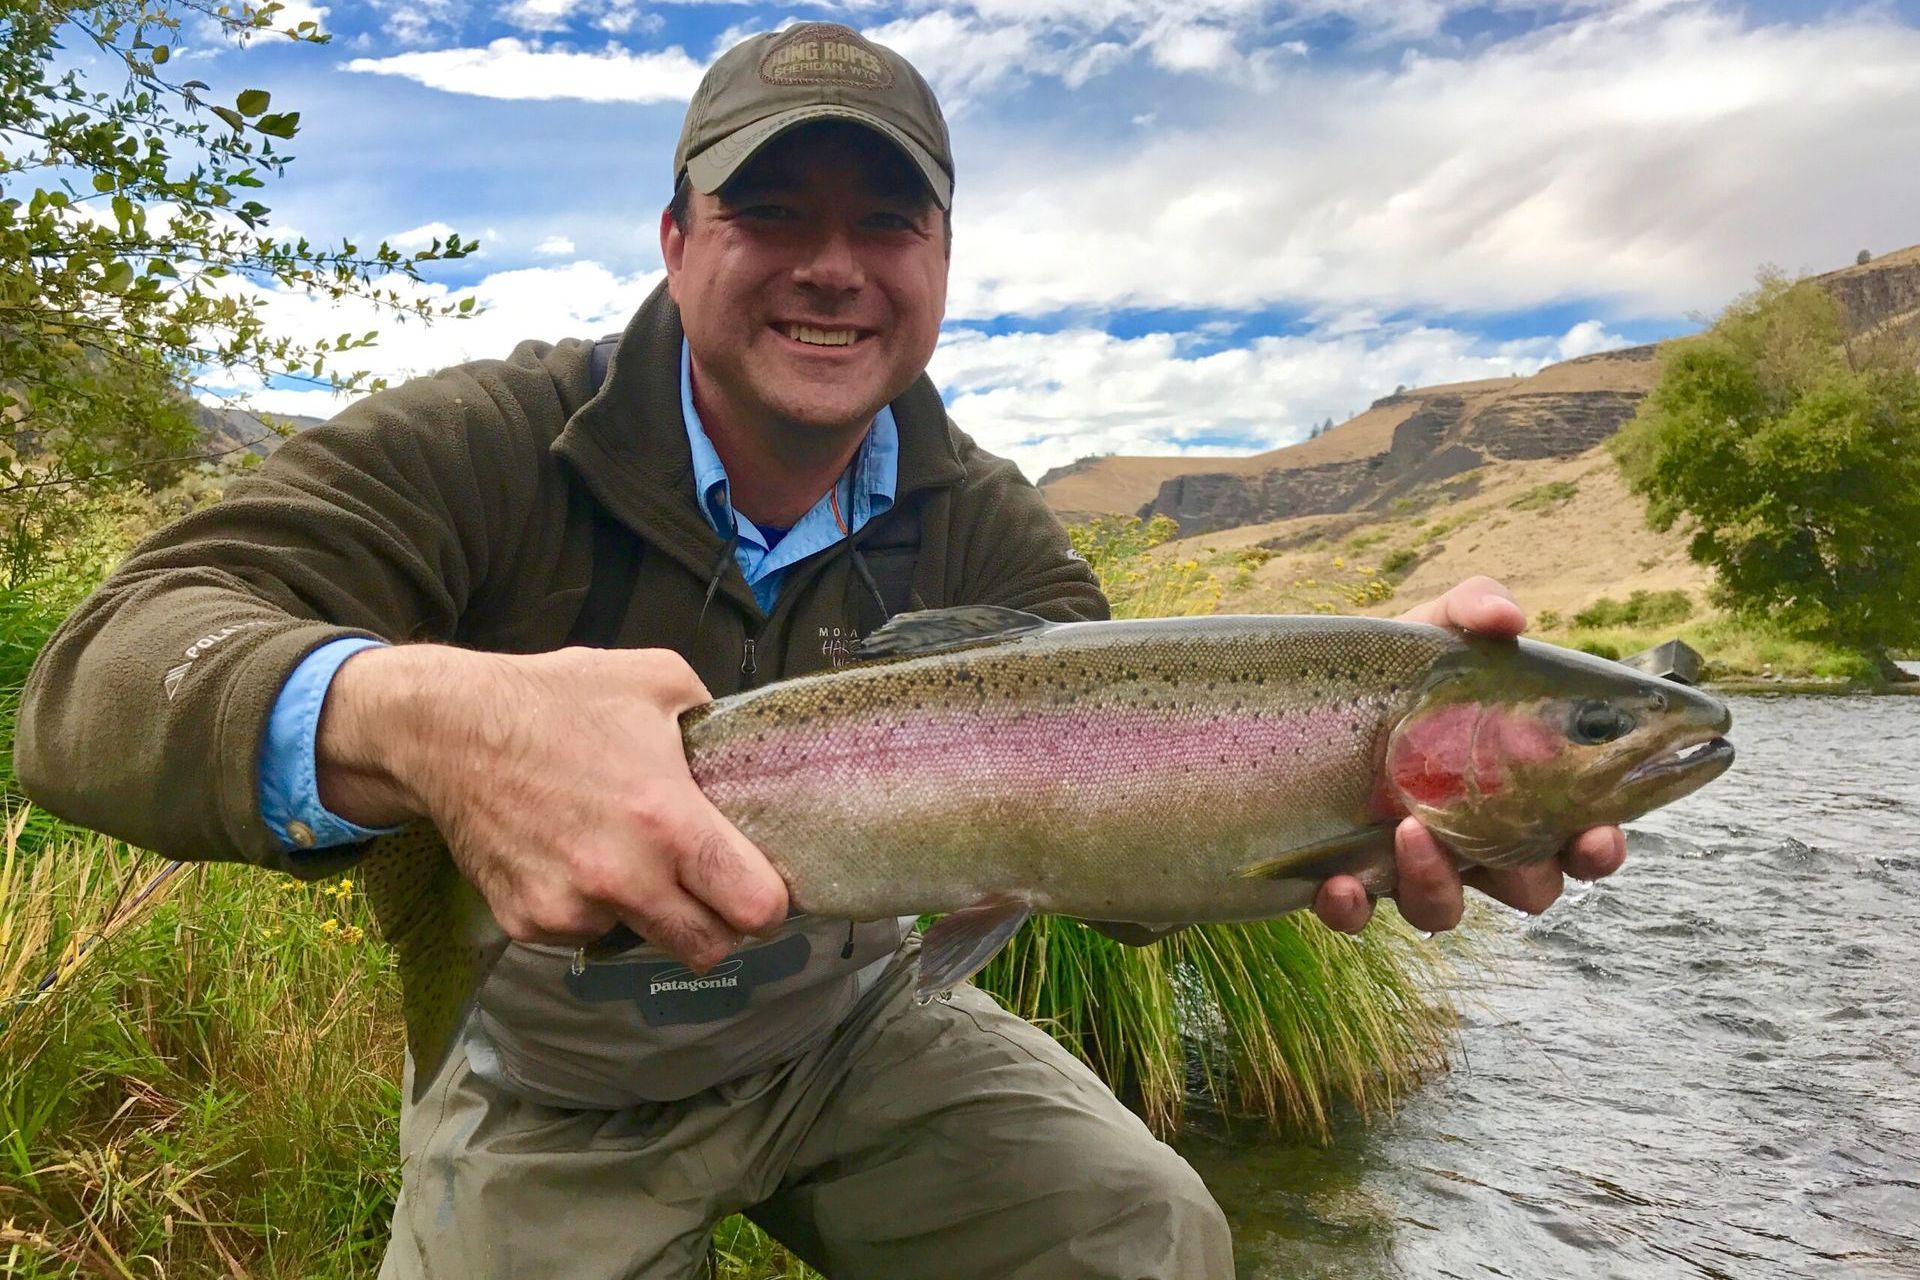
[[1562, 533]]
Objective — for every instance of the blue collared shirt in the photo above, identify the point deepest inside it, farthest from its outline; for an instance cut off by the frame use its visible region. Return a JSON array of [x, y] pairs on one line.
[[863, 491], [289, 790]]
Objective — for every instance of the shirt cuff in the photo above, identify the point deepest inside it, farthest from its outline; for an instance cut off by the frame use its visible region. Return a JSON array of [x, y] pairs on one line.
[[289, 778]]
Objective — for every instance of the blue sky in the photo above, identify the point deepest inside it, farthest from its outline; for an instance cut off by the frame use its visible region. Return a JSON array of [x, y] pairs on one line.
[[1198, 226]]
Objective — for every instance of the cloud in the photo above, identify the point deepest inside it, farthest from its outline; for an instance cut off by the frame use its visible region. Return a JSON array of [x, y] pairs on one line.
[[539, 15], [419, 237], [516, 69], [1044, 399], [554, 246], [1651, 159], [418, 22], [578, 300]]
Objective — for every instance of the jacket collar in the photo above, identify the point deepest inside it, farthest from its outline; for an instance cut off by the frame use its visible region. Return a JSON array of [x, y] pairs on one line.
[[629, 443]]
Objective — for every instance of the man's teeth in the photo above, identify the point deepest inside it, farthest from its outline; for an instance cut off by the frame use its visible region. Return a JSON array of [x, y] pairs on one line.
[[820, 337]]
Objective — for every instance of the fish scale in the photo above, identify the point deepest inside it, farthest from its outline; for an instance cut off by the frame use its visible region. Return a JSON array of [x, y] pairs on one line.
[[988, 764]]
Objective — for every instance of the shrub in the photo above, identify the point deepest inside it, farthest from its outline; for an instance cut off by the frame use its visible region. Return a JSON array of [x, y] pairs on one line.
[[1544, 497], [1641, 609]]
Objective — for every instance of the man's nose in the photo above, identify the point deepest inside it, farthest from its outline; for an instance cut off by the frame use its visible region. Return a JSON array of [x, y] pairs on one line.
[[830, 261]]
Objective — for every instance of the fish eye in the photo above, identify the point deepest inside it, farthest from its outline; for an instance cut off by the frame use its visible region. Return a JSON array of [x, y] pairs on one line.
[[1592, 723]]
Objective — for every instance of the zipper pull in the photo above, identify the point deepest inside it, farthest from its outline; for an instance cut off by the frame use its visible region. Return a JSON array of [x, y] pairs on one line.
[[747, 666]]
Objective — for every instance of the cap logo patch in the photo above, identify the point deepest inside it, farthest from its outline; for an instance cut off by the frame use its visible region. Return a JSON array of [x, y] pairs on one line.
[[822, 53]]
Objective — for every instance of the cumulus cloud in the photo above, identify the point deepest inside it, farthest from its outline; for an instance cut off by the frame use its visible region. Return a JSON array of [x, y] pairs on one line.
[[510, 68], [577, 300], [1654, 159], [554, 247]]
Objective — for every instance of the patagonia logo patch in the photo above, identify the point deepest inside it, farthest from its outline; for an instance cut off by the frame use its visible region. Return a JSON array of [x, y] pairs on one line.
[[671, 995], [821, 53]]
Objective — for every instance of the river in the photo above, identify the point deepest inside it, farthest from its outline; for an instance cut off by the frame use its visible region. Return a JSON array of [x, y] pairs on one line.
[[1706, 1066]]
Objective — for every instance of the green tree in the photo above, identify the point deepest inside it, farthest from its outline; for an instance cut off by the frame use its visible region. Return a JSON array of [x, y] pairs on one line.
[[135, 262], [1791, 448]]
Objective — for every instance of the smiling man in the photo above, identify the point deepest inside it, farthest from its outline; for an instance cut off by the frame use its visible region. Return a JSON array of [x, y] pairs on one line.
[[483, 599]]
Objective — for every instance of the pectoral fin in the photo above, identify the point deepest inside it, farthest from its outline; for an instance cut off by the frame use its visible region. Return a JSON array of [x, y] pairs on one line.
[[959, 944], [1366, 852]]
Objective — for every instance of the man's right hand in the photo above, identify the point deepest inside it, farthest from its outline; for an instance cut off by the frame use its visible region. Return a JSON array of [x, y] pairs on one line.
[[560, 784]]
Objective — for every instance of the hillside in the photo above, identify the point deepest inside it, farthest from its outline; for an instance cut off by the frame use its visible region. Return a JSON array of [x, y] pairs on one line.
[[1506, 477], [236, 430]]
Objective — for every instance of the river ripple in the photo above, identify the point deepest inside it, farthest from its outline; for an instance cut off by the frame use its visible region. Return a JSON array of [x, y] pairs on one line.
[[1706, 1066]]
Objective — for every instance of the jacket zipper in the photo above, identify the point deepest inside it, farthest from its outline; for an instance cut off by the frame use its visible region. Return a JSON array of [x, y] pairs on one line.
[[747, 664]]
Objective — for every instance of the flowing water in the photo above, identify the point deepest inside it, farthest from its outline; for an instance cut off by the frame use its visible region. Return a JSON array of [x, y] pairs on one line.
[[1706, 1066]]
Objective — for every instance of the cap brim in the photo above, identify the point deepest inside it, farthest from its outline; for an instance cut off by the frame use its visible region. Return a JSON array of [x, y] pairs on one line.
[[709, 170]]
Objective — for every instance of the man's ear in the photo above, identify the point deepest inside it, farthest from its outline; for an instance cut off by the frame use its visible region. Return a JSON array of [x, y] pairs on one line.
[[673, 248]]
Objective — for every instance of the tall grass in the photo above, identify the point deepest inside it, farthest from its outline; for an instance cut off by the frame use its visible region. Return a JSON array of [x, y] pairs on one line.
[[207, 1090], [1284, 1020]]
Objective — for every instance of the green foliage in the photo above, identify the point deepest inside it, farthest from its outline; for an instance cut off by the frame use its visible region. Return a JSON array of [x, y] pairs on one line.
[[1398, 559], [1640, 609], [1137, 584], [134, 256], [1545, 497], [1793, 453], [1105, 541], [1547, 620]]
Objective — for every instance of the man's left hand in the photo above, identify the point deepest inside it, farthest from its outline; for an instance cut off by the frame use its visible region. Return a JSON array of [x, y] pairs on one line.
[[1431, 891]]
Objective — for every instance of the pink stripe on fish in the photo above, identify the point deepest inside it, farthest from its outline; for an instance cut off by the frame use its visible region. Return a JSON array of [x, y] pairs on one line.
[[1005, 751]]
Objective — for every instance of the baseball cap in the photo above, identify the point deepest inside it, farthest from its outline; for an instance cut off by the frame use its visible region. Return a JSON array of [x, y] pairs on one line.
[[766, 85]]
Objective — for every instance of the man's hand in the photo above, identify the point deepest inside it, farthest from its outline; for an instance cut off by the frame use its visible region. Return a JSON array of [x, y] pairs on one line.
[[1430, 891], [561, 786]]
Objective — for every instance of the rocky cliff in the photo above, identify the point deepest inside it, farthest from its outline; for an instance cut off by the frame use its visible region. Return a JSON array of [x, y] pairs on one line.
[[1423, 437]]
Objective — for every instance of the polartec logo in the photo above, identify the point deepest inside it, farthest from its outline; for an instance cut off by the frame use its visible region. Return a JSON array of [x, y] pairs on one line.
[[176, 675]]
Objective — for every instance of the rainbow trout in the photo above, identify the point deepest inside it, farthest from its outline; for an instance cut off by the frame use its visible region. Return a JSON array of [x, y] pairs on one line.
[[988, 764]]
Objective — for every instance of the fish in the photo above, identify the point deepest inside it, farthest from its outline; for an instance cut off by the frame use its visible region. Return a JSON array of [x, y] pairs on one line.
[[985, 764]]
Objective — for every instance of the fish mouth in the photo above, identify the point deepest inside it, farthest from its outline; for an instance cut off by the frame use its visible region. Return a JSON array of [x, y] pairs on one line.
[[1703, 759]]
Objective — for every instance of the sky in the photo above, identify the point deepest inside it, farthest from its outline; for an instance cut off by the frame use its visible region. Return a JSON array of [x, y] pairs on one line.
[[1193, 227]]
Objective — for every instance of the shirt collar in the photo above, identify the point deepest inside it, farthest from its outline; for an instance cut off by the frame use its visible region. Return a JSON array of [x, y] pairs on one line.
[[876, 464]]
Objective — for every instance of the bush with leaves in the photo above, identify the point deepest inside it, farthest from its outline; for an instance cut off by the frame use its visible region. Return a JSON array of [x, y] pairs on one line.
[[135, 260], [1792, 450]]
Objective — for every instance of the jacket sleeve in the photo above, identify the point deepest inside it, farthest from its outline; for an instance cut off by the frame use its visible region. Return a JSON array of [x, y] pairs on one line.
[[1014, 551], [145, 715]]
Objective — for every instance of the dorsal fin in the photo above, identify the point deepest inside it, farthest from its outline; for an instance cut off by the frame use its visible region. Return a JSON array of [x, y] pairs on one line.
[[909, 635]]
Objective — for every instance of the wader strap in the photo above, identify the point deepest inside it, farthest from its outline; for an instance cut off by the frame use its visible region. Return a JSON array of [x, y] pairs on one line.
[[616, 551], [616, 565], [600, 359]]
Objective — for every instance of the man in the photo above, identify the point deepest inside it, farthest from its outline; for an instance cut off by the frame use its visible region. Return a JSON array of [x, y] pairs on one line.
[[760, 470]]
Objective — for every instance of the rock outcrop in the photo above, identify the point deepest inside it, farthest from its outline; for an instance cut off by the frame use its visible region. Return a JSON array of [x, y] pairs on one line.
[[1439, 433]]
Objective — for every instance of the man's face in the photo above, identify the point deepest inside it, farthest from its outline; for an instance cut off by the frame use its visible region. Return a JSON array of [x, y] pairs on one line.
[[812, 285]]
